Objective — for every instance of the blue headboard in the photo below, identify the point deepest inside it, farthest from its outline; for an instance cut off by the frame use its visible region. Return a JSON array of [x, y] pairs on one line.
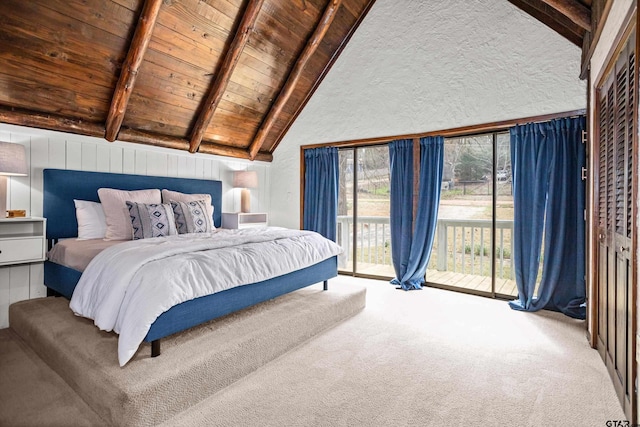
[[62, 186]]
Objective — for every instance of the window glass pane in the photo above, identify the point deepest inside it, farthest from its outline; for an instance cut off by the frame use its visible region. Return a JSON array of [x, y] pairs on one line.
[[505, 276], [345, 209], [461, 255], [373, 241]]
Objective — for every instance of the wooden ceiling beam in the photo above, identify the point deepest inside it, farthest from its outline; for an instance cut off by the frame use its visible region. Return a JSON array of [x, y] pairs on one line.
[[167, 141], [34, 119], [290, 84], [39, 120], [577, 12], [129, 72], [223, 76], [239, 153]]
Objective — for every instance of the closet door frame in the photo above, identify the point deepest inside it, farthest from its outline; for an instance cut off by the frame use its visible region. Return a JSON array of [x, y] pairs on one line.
[[605, 236]]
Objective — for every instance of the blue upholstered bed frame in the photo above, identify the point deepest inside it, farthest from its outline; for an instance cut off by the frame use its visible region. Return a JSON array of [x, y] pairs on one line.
[[61, 187]]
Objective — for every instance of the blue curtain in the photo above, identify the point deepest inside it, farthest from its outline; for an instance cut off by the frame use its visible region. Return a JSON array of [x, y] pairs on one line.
[[411, 247], [321, 191], [549, 198], [401, 193]]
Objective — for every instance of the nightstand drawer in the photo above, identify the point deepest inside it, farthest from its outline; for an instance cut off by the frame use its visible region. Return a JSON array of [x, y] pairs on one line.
[[253, 219], [26, 249]]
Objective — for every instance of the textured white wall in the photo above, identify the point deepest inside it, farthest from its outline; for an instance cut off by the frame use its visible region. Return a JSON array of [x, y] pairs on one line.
[[417, 66]]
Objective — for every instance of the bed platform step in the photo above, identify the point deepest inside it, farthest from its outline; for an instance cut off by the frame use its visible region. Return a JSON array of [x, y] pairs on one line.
[[194, 364]]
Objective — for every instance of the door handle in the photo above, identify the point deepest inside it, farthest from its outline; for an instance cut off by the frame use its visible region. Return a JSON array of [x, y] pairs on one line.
[[622, 249]]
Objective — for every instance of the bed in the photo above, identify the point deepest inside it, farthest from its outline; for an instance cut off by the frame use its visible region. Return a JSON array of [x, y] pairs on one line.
[[61, 187]]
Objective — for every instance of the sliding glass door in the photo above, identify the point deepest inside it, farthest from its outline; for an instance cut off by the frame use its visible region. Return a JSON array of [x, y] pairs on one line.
[[346, 209], [505, 282], [363, 211], [462, 251], [473, 246], [473, 243]]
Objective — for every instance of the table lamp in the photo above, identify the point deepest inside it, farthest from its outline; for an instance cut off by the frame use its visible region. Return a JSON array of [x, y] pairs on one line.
[[245, 180]]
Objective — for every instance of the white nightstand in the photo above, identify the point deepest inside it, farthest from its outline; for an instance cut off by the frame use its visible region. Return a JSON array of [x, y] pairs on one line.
[[244, 220], [22, 240]]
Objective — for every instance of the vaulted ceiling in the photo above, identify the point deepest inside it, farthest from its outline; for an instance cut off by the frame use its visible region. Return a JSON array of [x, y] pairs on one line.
[[224, 77]]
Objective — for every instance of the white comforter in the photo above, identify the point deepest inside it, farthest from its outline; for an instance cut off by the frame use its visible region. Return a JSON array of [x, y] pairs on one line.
[[127, 286]]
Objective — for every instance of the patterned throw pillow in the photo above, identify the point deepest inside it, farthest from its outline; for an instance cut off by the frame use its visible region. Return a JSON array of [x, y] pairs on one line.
[[169, 196], [151, 220], [192, 217]]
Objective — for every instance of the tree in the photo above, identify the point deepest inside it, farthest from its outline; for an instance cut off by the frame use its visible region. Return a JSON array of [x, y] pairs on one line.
[[374, 171], [474, 158]]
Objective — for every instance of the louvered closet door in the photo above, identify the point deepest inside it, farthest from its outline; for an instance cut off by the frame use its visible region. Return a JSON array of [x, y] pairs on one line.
[[615, 224]]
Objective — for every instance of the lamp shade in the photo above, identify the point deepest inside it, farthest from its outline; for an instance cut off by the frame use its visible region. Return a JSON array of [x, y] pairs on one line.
[[13, 159], [245, 179]]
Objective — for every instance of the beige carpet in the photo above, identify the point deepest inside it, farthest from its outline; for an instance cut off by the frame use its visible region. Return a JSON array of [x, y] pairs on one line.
[[193, 365], [424, 358], [31, 394]]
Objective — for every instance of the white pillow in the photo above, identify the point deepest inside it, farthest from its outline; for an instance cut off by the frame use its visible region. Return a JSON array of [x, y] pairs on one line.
[[169, 196], [116, 212], [91, 220]]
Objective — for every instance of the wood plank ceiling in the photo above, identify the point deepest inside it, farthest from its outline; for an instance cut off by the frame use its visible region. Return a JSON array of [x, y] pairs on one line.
[[225, 77]]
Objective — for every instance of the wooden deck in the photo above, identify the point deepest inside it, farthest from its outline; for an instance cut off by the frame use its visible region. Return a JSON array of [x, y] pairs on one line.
[[472, 281], [448, 278]]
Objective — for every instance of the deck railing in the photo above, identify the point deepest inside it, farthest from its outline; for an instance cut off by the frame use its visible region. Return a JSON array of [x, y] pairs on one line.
[[461, 246], [464, 246], [373, 240]]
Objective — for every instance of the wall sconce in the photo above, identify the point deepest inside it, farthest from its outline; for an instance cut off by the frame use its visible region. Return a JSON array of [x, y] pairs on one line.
[[245, 180], [13, 162]]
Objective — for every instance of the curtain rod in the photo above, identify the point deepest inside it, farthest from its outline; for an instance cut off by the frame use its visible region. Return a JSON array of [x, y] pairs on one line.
[[450, 133]]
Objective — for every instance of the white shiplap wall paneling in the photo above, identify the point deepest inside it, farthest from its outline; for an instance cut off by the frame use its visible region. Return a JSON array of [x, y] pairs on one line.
[[186, 167], [89, 159], [39, 161], [172, 166], [128, 160], [207, 170], [156, 164], [57, 153], [215, 171], [14, 287], [103, 158], [46, 149], [140, 165], [36, 281], [199, 169], [19, 282], [5, 297], [115, 159], [74, 155]]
